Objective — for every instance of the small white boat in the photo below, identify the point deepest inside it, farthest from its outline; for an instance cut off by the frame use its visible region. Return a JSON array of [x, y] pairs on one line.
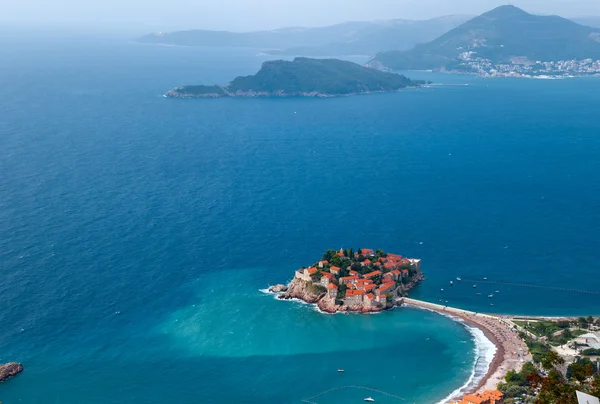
[[340, 370], [370, 399], [497, 291], [442, 290], [451, 283], [490, 296], [485, 279], [474, 286], [458, 279], [478, 294]]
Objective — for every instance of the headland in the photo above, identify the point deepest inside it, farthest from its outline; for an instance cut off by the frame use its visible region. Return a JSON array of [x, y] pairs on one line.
[[364, 281]]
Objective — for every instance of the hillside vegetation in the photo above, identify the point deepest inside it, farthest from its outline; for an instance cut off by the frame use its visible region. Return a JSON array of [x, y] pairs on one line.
[[304, 76], [499, 35]]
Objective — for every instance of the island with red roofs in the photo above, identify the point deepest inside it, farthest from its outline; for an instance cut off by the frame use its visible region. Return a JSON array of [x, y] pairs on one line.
[[362, 281]]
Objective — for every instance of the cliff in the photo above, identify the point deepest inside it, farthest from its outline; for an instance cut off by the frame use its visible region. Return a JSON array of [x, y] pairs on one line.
[[10, 369], [305, 291], [299, 289]]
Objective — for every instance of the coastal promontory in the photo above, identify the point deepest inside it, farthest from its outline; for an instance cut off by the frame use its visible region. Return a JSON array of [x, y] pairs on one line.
[[348, 281], [302, 77]]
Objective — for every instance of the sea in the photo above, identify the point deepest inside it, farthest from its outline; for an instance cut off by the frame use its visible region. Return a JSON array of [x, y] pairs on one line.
[[138, 233]]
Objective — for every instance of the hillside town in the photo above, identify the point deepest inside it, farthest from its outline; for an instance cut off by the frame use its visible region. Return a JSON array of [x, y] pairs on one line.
[[522, 67], [361, 281]]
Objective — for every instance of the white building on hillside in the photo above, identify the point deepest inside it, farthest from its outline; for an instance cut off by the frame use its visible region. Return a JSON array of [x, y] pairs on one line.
[[591, 339]]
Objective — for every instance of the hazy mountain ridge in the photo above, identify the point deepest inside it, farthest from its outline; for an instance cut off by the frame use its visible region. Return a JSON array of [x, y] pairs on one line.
[[358, 37], [499, 35], [589, 21]]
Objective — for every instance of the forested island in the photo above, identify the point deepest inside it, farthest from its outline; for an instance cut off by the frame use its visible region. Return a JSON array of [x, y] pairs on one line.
[[303, 77], [362, 281]]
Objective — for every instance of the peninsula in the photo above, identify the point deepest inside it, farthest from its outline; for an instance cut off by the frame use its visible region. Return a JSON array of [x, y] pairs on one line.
[[348, 281], [302, 77], [505, 42]]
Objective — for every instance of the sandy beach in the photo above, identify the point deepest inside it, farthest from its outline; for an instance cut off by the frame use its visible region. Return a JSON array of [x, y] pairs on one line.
[[499, 330]]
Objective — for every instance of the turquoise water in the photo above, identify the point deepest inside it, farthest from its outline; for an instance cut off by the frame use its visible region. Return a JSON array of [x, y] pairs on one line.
[[138, 230]]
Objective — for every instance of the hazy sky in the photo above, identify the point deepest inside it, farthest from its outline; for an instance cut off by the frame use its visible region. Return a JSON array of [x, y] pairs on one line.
[[240, 15]]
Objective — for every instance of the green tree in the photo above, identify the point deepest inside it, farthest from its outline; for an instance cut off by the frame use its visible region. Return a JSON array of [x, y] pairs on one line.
[[329, 254], [595, 386], [512, 390], [551, 359], [580, 370]]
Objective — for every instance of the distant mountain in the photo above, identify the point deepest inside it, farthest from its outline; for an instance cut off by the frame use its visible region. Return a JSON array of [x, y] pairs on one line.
[[589, 21], [500, 35], [302, 77], [350, 38]]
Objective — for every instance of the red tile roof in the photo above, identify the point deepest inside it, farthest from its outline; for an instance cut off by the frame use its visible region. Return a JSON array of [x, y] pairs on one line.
[[386, 287], [348, 278], [372, 274], [354, 292], [370, 296], [334, 268], [312, 270], [331, 286]]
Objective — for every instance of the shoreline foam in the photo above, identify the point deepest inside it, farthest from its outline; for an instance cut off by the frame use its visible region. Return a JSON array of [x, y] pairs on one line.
[[511, 352], [483, 346]]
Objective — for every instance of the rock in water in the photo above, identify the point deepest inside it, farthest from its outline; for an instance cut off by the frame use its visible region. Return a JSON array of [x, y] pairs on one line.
[[10, 369], [278, 289]]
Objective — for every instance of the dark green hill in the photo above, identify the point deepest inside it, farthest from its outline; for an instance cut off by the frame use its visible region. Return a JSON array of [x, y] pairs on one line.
[[499, 35], [303, 77]]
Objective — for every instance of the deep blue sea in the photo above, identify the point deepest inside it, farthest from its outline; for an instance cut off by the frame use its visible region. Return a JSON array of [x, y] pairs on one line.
[[137, 231]]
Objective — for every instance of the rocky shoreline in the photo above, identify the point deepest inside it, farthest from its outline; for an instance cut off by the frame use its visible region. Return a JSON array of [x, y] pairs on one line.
[[10, 369], [300, 289], [179, 92]]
